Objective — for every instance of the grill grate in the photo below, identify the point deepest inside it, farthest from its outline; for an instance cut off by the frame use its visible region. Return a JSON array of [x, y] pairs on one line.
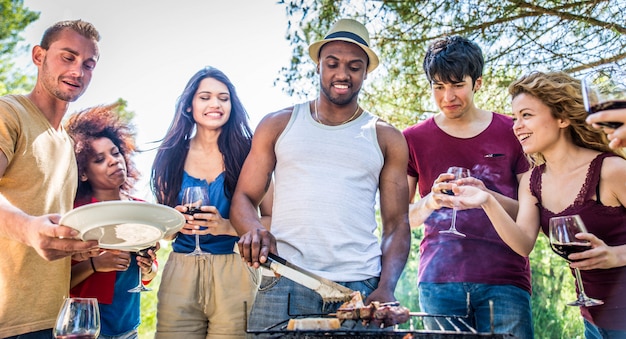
[[449, 327]]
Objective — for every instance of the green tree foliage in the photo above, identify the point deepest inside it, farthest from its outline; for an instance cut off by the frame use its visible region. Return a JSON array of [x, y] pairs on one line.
[[14, 19], [517, 36]]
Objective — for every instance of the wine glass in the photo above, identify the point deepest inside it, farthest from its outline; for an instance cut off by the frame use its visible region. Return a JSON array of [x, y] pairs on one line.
[[78, 318], [563, 241], [193, 198], [604, 89], [140, 286], [459, 173]]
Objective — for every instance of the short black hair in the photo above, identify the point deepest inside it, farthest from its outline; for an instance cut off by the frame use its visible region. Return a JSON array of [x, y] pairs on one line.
[[452, 58]]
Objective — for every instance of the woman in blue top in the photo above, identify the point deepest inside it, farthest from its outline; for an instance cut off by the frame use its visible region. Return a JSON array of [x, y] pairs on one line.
[[204, 296]]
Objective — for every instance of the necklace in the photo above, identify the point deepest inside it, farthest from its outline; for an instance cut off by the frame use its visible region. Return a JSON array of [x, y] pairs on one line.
[[317, 116]]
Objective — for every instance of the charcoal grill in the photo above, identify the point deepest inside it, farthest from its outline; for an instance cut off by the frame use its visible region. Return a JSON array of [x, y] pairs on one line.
[[460, 329]]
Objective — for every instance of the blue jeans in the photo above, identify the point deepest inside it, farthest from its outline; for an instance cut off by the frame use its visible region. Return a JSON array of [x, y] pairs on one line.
[[43, 334], [511, 307], [594, 332], [280, 299]]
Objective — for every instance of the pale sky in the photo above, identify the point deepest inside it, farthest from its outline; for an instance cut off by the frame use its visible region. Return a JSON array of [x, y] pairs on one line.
[[149, 50]]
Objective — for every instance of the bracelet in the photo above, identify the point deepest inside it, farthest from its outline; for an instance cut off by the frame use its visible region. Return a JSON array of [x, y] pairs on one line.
[[92, 265]]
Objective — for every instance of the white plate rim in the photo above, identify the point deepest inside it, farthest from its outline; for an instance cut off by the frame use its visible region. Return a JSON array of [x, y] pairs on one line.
[[177, 222]]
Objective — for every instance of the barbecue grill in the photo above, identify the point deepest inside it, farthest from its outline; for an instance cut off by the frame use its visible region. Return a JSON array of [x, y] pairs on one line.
[[449, 327]]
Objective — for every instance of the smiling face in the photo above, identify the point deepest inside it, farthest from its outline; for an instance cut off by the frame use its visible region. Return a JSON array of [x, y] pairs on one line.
[[66, 67], [455, 99], [211, 104], [342, 69], [106, 168], [535, 126]]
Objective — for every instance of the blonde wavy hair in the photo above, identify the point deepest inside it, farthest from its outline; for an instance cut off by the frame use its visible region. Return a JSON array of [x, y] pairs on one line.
[[562, 94]]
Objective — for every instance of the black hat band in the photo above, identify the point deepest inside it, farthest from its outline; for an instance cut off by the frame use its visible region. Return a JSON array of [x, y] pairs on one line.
[[348, 35]]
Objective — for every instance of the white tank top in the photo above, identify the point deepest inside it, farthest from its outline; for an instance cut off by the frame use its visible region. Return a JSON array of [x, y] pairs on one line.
[[324, 213]]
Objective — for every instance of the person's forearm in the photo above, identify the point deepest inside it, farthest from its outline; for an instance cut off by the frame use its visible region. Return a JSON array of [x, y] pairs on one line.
[[507, 228], [510, 205], [82, 271], [395, 251], [419, 211], [246, 217]]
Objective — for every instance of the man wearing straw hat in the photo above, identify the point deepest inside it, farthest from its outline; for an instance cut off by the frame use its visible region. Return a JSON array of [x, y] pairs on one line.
[[328, 157]]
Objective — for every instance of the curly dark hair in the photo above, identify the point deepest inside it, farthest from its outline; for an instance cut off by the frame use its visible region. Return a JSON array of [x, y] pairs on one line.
[[562, 93], [101, 122]]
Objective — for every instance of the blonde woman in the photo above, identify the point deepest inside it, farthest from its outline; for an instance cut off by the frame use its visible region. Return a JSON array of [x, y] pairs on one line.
[[574, 172]]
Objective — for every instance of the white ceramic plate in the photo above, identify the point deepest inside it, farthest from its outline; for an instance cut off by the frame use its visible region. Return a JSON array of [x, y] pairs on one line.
[[124, 225]]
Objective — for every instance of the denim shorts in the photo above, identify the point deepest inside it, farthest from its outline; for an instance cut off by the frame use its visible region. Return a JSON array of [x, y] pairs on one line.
[[511, 307], [280, 299], [594, 332]]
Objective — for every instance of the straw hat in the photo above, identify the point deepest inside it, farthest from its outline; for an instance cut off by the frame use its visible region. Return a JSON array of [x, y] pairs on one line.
[[350, 31]]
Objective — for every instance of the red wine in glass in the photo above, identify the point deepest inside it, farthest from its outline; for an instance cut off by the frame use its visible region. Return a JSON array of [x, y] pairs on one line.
[[607, 105], [565, 249], [459, 173], [140, 286], [194, 198], [604, 89], [562, 233]]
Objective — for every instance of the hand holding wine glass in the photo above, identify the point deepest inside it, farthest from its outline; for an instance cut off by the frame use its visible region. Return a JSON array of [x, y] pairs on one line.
[[79, 318], [605, 89], [142, 253], [195, 197], [563, 241], [458, 173]]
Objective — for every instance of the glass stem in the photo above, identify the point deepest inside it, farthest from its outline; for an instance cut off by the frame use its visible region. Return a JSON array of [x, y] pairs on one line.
[[139, 269], [197, 242], [579, 282], [453, 223]]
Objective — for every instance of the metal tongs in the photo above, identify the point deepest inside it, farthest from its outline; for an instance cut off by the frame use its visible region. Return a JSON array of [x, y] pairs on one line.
[[329, 290]]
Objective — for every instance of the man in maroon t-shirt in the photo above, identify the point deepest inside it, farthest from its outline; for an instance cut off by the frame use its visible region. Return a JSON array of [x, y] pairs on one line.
[[476, 264]]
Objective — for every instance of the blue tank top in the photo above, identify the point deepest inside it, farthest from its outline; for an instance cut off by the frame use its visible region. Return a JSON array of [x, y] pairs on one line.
[[214, 244]]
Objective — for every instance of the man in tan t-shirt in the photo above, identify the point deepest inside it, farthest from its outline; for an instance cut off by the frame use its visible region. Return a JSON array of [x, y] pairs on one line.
[[38, 180]]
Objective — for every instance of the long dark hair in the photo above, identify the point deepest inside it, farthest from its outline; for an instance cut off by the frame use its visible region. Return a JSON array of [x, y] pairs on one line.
[[234, 141]]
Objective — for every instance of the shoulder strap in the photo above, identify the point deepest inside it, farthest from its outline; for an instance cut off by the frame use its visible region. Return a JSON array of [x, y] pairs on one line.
[[535, 182]]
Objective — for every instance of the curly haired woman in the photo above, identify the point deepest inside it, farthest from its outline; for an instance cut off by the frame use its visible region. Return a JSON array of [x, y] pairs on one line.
[[574, 172], [103, 144]]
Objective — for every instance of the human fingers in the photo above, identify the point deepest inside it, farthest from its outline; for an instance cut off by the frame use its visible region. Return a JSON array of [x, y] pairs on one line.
[[618, 115], [80, 256], [267, 245], [245, 247], [471, 181]]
